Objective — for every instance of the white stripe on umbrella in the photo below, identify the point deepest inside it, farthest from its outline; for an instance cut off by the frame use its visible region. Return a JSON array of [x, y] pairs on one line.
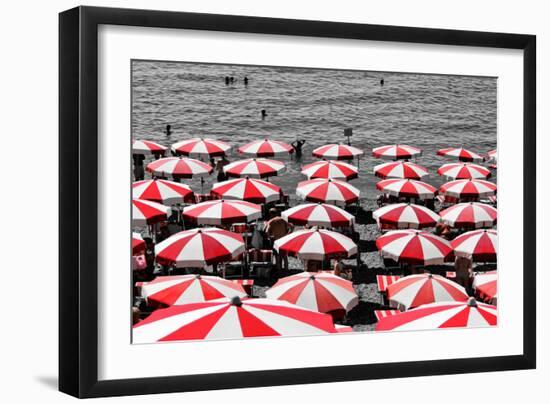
[[460, 153], [146, 212], [318, 214], [222, 212], [330, 169], [400, 169], [179, 167], [328, 191], [472, 215], [266, 148], [468, 188], [405, 216], [337, 152], [407, 188], [396, 152], [247, 189], [323, 292], [316, 244], [162, 191], [477, 245], [148, 147], [254, 168], [464, 171], [414, 247], [201, 147]]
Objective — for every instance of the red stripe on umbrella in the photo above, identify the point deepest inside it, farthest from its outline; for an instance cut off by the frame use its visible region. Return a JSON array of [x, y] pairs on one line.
[[201, 147], [464, 171], [316, 245], [179, 167], [396, 152], [330, 169], [405, 216], [246, 189], [138, 244], [266, 148], [222, 212], [148, 213], [162, 191], [407, 188], [254, 168], [148, 147], [337, 152], [327, 191], [460, 153], [400, 169], [318, 214]]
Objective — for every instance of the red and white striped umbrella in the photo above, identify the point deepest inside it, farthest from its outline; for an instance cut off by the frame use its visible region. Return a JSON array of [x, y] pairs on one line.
[[247, 189], [337, 152], [415, 290], [407, 188], [197, 248], [459, 171], [254, 168], [220, 212], [328, 191], [396, 152], [485, 286], [266, 148], [405, 216], [201, 147], [179, 167], [138, 244], [414, 247], [316, 244], [470, 215], [319, 291], [230, 319], [147, 147], [330, 169], [180, 289], [441, 315], [162, 191], [343, 328], [147, 212], [477, 245], [318, 214], [460, 153], [400, 169], [468, 189]]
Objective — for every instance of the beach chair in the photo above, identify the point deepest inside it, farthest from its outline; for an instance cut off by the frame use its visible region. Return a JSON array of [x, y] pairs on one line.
[[382, 283], [450, 274], [380, 314], [261, 263], [234, 268]]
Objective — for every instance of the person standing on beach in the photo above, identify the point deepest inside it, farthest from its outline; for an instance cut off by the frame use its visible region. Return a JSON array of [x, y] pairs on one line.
[[297, 145], [219, 167], [139, 173], [463, 268], [264, 114], [276, 228], [168, 130]]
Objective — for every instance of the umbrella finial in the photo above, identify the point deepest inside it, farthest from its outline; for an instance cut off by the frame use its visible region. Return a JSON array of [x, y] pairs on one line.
[[430, 276], [312, 277], [198, 276], [472, 302], [236, 301]]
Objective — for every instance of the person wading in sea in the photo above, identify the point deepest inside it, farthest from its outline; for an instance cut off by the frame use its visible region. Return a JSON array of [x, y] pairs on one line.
[[264, 114], [297, 145], [168, 130]]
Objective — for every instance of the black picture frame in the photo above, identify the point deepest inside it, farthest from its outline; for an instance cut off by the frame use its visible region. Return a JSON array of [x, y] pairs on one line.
[[78, 182]]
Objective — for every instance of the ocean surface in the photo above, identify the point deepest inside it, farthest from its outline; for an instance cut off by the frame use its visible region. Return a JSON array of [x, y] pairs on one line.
[[426, 111]]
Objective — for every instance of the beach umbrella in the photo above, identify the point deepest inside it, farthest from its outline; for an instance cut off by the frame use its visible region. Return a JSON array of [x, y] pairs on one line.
[[318, 214], [197, 248], [441, 315], [337, 152], [477, 245], [468, 189], [316, 244], [247, 189], [485, 286], [319, 291], [180, 289], [400, 169], [230, 319], [396, 152], [415, 290], [138, 244], [254, 168], [343, 328], [201, 147], [464, 171], [492, 155], [328, 191], [469, 215], [414, 247], [330, 169], [405, 216], [148, 148], [266, 148], [147, 213], [179, 167], [221, 211], [407, 188], [162, 191], [460, 153]]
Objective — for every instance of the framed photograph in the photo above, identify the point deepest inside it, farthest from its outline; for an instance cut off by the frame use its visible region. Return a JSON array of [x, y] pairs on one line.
[[251, 201]]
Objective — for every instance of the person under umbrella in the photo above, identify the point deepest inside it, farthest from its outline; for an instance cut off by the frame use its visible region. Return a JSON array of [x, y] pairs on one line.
[[276, 228]]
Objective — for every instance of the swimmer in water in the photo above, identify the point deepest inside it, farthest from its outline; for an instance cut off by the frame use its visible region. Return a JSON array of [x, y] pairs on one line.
[[168, 130], [264, 114], [231, 79], [226, 80], [382, 82], [245, 81]]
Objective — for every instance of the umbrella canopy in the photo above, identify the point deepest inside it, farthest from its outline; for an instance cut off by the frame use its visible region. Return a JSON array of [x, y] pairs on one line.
[[162, 191], [330, 169], [477, 245], [254, 168], [231, 318], [197, 248], [464, 171], [266, 148], [407, 188], [400, 169], [247, 189], [146, 212], [441, 315], [337, 152], [396, 152], [138, 244], [201, 147], [485, 285], [470, 215], [316, 244], [415, 290], [460, 153], [180, 289], [343, 328], [318, 214], [414, 247], [405, 216], [220, 212], [179, 167], [470, 189], [147, 147], [319, 291], [329, 191]]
